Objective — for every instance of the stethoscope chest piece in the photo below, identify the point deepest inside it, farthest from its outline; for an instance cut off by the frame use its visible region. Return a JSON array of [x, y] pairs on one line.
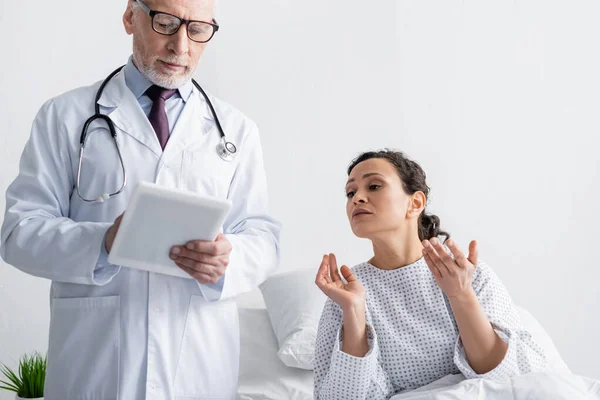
[[226, 150]]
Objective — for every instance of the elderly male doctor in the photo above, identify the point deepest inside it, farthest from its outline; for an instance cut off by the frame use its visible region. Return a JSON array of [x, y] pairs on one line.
[[128, 334]]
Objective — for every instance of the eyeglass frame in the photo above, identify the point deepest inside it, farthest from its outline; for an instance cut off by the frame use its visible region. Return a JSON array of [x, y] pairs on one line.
[[182, 21]]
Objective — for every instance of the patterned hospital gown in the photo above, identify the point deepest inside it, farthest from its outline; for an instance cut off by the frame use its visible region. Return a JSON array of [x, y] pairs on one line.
[[413, 337]]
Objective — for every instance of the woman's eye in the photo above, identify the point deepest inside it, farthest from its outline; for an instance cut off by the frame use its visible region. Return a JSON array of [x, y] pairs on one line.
[[374, 187], [349, 195]]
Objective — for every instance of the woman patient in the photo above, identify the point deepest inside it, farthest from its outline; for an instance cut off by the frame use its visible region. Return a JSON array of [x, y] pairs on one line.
[[419, 309]]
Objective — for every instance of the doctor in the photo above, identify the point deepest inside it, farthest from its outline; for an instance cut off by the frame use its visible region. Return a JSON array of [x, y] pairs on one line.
[[127, 334]]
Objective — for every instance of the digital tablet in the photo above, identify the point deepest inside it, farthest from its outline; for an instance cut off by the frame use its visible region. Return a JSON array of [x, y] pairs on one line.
[[158, 218]]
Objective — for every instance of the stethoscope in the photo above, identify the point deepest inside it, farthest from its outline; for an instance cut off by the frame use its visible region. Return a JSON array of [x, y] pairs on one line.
[[225, 149]]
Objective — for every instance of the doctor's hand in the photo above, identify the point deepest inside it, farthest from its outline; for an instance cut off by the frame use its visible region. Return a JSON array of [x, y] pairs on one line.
[[349, 295], [453, 276], [112, 233], [205, 261]]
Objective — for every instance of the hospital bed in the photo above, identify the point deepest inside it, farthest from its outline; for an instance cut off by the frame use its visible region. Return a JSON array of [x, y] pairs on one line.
[[293, 299]]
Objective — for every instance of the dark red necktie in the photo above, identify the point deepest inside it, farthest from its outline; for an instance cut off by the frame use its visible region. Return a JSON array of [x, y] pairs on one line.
[[158, 115]]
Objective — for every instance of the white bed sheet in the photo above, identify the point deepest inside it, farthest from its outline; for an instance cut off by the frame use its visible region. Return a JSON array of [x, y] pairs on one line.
[[262, 374], [264, 377], [532, 386]]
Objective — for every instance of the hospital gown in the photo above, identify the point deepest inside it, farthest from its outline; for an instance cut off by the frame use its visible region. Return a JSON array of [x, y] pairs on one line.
[[413, 336]]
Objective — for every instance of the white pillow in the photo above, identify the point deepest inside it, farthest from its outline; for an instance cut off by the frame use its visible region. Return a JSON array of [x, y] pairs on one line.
[[542, 338], [262, 375], [294, 303]]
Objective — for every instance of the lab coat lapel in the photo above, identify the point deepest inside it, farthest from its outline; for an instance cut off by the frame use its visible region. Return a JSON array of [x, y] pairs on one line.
[[127, 115], [193, 125]]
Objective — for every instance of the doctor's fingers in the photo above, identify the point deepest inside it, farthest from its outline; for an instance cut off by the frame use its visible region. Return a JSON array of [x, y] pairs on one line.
[[201, 277], [218, 247], [119, 218], [202, 260], [117, 223], [111, 233], [182, 252], [208, 269]]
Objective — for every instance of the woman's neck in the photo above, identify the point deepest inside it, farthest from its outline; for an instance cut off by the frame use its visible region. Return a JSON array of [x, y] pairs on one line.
[[393, 251]]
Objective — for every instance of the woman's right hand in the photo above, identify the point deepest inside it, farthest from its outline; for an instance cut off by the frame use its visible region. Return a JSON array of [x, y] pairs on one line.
[[351, 297], [347, 295]]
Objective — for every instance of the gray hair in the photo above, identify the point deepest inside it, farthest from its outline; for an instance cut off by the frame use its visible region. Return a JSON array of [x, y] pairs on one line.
[[134, 4]]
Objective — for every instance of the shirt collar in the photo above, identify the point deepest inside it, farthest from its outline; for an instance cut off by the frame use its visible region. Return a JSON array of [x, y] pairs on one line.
[[138, 83]]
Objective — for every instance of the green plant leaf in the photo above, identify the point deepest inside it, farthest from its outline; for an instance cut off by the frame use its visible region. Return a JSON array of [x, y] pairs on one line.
[[29, 382], [12, 377], [10, 387]]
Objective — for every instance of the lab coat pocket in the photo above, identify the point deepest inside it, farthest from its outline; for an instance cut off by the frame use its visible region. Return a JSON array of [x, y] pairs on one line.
[[209, 357], [83, 355], [205, 173]]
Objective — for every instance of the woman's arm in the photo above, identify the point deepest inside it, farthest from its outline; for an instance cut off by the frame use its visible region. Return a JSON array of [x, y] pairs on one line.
[[484, 349], [492, 343], [355, 331], [340, 375], [346, 352]]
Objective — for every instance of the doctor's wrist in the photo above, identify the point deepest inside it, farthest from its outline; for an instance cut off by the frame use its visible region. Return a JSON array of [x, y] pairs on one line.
[[111, 233], [108, 239]]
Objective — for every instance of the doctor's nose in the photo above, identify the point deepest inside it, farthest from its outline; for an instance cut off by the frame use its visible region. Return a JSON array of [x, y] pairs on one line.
[[179, 43]]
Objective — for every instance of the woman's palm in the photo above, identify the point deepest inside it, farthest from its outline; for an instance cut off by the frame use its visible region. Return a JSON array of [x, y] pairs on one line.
[[346, 295]]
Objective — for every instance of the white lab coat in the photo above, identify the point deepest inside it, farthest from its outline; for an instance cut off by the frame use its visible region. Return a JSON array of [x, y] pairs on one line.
[[135, 335]]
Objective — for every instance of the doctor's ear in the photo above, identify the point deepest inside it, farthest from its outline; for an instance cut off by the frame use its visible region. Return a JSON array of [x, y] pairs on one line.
[[128, 18]]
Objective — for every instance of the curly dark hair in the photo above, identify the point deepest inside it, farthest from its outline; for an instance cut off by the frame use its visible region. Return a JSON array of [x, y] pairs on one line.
[[413, 179]]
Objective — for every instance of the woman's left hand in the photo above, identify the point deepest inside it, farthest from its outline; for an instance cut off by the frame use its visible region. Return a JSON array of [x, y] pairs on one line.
[[454, 276]]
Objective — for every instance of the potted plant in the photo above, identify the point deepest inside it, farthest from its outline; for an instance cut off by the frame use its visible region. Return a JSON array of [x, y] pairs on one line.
[[28, 382]]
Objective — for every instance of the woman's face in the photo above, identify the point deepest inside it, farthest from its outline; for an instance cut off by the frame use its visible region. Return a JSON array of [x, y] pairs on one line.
[[376, 202]]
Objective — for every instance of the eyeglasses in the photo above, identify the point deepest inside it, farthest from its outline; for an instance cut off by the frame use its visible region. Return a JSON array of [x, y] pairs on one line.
[[167, 24]]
